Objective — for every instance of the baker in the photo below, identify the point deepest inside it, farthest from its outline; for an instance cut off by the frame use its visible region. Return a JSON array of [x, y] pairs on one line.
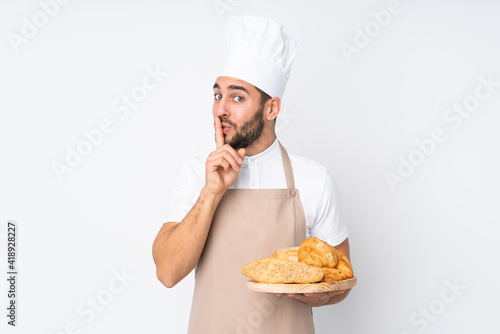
[[248, 198]]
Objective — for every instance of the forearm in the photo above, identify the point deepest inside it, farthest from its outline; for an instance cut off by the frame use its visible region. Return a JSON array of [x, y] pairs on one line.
[[178, 246]]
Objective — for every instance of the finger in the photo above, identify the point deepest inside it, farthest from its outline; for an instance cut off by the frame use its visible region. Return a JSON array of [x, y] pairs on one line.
[[224, 164], [309, 294], [297, 296], [214, 162], [219, 136], [237, 156], [317, 296], [242, 152], [230, 154], [333, 293], [230, 159]]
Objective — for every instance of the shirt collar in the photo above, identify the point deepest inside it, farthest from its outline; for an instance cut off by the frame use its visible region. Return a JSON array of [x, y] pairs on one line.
[[263, 156]]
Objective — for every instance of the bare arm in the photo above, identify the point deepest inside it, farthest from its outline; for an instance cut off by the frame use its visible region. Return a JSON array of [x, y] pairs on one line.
[[178, 246]]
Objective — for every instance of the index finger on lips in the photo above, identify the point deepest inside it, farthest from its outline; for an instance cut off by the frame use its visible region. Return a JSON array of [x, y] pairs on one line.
[[219, 136]]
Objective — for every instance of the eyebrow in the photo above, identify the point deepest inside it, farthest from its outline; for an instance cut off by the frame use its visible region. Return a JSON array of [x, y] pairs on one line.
[[233, 87]]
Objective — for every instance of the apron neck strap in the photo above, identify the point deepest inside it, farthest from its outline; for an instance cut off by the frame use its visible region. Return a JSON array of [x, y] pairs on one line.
[[288, 168]]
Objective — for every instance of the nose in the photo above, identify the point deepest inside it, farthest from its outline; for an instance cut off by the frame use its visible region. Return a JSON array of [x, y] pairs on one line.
[[220, 108]]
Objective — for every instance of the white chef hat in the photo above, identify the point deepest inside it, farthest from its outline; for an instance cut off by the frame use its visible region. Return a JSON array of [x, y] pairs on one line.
[[261, 52]]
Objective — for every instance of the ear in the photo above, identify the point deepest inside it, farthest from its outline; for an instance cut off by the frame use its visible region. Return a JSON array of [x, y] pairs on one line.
[[273, 108]]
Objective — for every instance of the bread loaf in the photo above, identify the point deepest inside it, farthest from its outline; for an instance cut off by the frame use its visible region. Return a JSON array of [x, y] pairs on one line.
[[291, 254], [314, 261], [274, 271]]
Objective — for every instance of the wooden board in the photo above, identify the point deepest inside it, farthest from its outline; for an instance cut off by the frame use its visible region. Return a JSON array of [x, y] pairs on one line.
[[302, 288]]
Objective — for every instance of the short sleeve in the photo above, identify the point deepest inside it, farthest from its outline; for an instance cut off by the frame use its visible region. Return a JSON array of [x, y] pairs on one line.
[[181, 199], [328, 225]]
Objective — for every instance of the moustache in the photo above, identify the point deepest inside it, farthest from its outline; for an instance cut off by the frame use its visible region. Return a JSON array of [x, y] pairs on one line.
[[225, 120]]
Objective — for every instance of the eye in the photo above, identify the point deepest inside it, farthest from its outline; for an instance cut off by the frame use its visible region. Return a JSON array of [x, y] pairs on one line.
[[217, 96], [239, 98]]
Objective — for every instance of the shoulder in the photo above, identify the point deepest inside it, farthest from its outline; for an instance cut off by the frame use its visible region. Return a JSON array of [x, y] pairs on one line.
[[313, 178], [307, 167]]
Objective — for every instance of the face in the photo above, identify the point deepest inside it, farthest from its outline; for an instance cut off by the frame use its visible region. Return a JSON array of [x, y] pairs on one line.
[[237, 104]]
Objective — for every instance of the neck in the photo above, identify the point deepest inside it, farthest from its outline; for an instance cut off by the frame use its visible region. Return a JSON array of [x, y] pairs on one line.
[[265, 140]]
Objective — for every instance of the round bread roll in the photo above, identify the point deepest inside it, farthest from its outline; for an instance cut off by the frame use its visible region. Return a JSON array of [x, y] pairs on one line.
[[317, 253]]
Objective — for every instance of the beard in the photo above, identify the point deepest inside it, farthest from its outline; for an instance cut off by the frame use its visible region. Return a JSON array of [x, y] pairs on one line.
[[249, 132]]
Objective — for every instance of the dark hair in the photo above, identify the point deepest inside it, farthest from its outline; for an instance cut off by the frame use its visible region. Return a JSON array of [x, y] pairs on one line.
[[264, 97]]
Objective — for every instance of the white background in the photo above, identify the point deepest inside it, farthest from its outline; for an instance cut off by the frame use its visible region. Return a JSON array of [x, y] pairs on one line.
[[356, 117]]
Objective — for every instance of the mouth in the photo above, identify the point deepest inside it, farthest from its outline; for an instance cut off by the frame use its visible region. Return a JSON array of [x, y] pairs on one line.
[[225, 127]]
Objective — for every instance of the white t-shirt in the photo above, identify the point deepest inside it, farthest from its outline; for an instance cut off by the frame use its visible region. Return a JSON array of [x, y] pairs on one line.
[[317, 189]]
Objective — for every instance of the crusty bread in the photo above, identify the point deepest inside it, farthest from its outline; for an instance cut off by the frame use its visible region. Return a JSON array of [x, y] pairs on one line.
[[345, 269], [314, 261], [317, 253], [339, 252], [274, 271], [291, 253], [332, 275], [344, 265]]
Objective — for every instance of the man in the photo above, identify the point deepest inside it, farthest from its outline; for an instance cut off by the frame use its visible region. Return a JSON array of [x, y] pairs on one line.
[[241, 203]]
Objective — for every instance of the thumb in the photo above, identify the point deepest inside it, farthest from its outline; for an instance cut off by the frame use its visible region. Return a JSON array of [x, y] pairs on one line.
[[241, 152]]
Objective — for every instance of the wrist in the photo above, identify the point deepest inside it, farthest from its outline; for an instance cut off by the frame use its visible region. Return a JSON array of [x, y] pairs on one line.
[[210, 196]]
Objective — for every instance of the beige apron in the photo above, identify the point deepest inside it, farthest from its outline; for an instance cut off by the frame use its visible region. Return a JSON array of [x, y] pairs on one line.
[[249, 224]]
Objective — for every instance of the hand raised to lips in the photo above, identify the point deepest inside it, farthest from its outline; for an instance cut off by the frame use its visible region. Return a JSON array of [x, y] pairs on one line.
[[223, 164], [219, 136]]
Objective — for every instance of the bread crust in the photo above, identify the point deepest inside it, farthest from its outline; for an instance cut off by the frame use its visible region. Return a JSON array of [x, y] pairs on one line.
[[344, 264], [314, 261], [275, 271], [290, 253], [317, 253], [332, 275], [345, 268]]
